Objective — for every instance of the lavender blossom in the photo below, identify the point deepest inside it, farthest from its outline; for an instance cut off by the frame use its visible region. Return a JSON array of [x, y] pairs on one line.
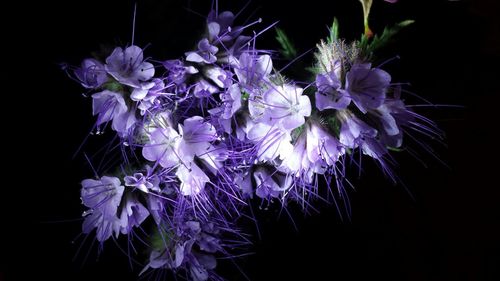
[[142, 182], [329, 94], [218, 127], [178, 72], [252, 70], [356, 133], [133, 215], [163, 147], [128, 66], [231, 100], [102, 197], [192, 178], [367, 86], [205, 54], [189, 247], [313, 150], [91, 74], [111, 106], [271, 141], [287, 105]]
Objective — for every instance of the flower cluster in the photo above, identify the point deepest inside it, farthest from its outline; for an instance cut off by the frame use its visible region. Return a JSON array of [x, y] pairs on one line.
[[202, 135]]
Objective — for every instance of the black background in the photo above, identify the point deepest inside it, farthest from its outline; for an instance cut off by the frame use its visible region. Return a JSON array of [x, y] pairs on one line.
[[449, 232]]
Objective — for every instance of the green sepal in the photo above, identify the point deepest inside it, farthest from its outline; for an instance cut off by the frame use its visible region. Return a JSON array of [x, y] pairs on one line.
[[370, 46], [113, 86], [160, 238], [334, 31], [287, 49], [333, 124], [396, 149]]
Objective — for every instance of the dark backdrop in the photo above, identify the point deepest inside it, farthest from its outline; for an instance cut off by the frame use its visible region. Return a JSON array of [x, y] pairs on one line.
[[450, 231]]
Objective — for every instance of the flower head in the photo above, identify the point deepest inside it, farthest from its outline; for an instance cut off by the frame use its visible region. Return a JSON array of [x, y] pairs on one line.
[[205, 54], [128, 66], [91, 74], [329, 94], [287, 106], [103, 197], [367, 86]]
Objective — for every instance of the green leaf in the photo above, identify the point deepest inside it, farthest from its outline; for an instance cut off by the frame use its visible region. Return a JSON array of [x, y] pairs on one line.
[[369, 45], [334, 31], [333, 124], [395, 149], [387, 35], [160, 239], [287, 49], [245, 95], [113, 85]]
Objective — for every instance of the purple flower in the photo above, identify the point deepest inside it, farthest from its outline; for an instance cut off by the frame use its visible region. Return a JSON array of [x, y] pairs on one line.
[[231, 99], [169, 148], [163, 147], [105, 225], [148, 99], [142, 183], [271, 141], [91, 74], [213, 159], [329, 94], [391, 117], [103, 198], [322, 146], [177, 71], [297, 161], [141, 91], [205, 54], [188, 247], [128, 66], [200, 265], [219, 26], [218, 76], [164, 259], [228, 38], [367, 86], [104, 194], [132, 215], [286, 105], [267, 185], [196, 137], [244, 182], [353, 130], [313, 150], [356, 133], [204, 89], [192, 178], [252, 70], [111, 106], [156, 208]]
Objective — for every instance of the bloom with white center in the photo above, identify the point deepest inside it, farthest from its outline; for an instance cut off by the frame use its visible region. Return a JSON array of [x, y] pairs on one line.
[[271, 141], [163, 147], [356, 133], [252, 70], [286, 105], [322, 146], [128, 66], [197, 136], [192, 178], [111, 106], [103, 197]]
